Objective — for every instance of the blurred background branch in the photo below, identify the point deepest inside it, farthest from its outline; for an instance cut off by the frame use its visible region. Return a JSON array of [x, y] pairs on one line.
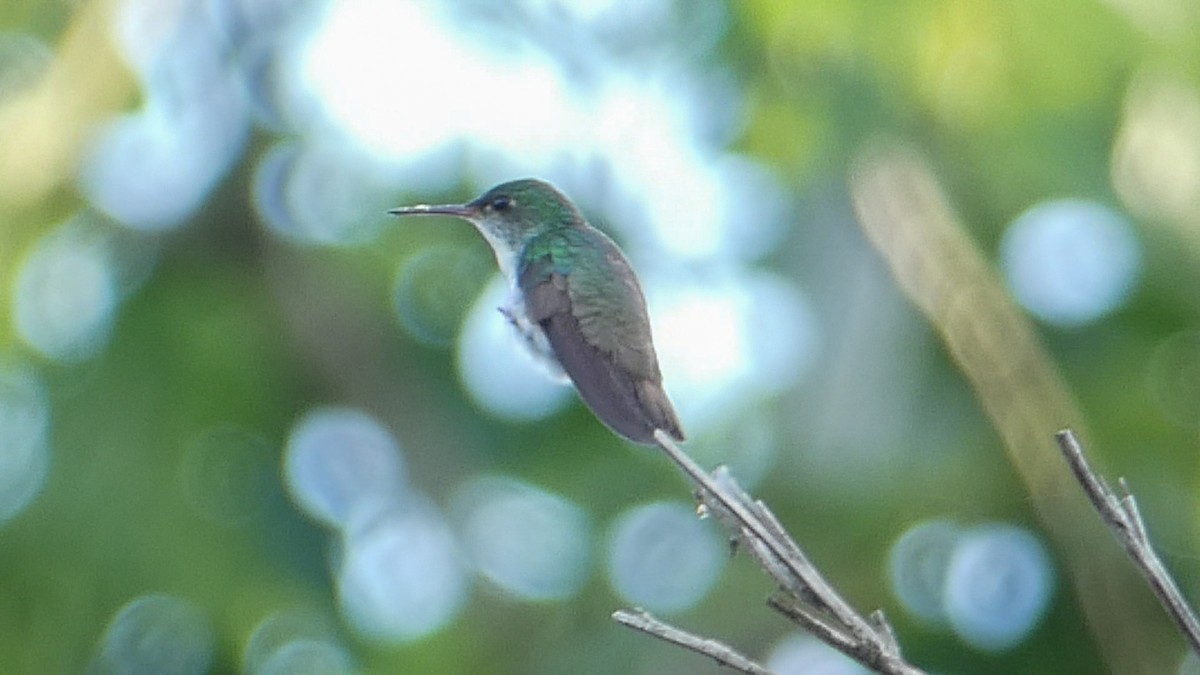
[[905, 214]]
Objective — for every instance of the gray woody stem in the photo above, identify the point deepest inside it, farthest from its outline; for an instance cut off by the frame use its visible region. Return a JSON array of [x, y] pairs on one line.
[[805, 596], [1121, 515], [717, 651]]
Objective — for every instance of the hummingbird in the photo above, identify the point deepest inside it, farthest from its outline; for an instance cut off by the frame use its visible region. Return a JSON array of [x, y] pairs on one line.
[[575, 300]]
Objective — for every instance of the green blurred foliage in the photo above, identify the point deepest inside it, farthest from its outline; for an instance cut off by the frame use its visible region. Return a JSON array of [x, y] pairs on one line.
[[1012, 102]]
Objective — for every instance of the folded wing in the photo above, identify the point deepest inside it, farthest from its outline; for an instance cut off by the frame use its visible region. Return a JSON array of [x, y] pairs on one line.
[[603, 343]]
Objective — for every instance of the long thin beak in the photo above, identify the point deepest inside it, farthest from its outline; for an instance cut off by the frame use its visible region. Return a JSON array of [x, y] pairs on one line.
[[460, 210]]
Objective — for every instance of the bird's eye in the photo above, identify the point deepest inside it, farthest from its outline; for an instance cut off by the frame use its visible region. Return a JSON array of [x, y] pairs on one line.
[[500, 203]]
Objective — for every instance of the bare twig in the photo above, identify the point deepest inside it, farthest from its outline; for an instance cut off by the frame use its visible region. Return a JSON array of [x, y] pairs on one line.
[[1122, 516], [718, 651], [727, 499], [805, 597], [811, 621]]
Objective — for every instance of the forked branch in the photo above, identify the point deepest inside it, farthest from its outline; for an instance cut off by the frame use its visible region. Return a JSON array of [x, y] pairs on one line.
[[1121, 515], [804, 596]]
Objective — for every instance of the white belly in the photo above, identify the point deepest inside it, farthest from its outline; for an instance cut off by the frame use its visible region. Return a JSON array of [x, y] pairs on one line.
[[532, 336]]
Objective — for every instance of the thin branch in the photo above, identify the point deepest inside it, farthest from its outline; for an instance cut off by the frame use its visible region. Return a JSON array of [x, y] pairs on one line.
[[810, 601], [718, 651], [812, 622], [730, 499], [1122, 516]]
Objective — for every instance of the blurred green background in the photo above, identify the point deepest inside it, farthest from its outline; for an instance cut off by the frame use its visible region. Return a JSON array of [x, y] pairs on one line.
[[249, 424]]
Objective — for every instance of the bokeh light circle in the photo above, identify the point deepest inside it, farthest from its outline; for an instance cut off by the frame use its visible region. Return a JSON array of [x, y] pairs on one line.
[[497, 369], [661, 556], [307, 657], [1070, 262], [917, 567], [321, 193], [24, 440], [401, 577], [531, 543], [153, 168], [338, 460], [727, 342], [1156, 153], [998, 586], [433, 290], [277, 634], [159, 634], [66, 295]]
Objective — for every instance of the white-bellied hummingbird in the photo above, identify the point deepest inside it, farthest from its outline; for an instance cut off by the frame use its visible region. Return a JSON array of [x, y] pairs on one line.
[[576, 301]]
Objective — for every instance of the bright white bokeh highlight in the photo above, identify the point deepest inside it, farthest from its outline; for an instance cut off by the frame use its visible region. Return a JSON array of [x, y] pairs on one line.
[[998, 586], [917, 567], [66, 294], [461, 88], [1071, 262], [150, 171], [401, 576], [156, 634], [661, 556], [697, 202], [637, 143], [806, 655], [496, 368], [341, 461], [725, 343], [533, 544], [153, 168], [650, 128], [24, 440]]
